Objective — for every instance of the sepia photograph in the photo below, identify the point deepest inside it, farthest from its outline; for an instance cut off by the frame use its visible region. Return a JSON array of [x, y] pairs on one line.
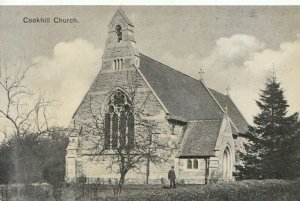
[[149, 102]]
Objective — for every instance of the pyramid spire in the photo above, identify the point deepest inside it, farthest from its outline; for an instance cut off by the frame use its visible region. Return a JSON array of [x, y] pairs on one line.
[[120, 51], [120, 12]]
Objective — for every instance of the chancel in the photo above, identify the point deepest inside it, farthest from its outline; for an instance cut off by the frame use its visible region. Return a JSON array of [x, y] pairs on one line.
[[203, 124]]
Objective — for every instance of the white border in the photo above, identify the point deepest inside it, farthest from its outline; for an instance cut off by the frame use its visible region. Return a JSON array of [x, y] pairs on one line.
[[149, 2]]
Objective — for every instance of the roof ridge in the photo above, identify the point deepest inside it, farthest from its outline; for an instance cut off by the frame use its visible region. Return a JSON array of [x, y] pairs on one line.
[[238, 109], [217, 92], [200, 120]]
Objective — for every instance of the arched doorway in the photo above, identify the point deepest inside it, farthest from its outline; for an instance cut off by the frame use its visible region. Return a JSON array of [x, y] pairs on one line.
[[227, 164]]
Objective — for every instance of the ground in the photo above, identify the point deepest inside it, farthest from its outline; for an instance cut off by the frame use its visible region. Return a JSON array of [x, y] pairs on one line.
[[269, 190]]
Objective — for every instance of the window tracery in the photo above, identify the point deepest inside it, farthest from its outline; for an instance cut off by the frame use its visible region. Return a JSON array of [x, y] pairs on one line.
[[119, 122]]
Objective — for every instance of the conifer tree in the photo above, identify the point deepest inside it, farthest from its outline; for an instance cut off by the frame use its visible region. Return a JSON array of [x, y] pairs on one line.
[[271, 151]]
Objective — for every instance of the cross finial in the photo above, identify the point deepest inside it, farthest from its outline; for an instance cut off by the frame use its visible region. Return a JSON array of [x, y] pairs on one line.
[[273, 72], [228, 90], [201, 73]]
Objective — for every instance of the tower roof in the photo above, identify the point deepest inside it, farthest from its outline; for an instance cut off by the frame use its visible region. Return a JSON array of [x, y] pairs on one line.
[[121, 12]]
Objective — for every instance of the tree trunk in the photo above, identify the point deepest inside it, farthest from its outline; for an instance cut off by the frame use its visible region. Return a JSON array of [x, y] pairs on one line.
[[148, 170], [120, 185]]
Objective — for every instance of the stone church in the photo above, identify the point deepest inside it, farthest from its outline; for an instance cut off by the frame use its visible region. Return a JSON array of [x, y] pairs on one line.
[[203, 123]]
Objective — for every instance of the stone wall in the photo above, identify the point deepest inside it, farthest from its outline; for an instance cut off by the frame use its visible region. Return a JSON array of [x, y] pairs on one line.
[[95, 101], [191, 176], [225, 141]]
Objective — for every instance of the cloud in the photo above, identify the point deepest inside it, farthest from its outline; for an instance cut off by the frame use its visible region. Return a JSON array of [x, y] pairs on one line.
[[66, 76], [232, 52], [240, 61], [286, 61], [243, 63]]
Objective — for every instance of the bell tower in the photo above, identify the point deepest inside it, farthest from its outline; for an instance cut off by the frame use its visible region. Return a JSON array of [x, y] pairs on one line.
[[120, 51]]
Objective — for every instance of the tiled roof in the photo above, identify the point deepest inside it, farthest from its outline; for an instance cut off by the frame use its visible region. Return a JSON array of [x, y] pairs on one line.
[[200, 138], [188, 100], [232, 111], [184, 97]]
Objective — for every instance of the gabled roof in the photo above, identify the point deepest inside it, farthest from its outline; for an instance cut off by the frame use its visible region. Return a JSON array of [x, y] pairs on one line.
[[200, 138], [122, 13], [232, 111], [189, 100], [184, 97]]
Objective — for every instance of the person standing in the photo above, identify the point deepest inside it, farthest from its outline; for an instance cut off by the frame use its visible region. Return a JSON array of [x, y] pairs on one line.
[[172, 177]]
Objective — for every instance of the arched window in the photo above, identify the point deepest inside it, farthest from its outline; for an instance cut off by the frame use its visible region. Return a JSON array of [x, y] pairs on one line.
[[227, 164], [121, 61], [114, 141], [119, 32], [195, 164], [122, 129], [115, 65], [119, 122], [118, 64], [189, 164], [107, 131], [130, 126]]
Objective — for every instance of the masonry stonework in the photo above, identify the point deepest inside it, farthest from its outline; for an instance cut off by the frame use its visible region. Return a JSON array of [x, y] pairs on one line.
[[121, 71]]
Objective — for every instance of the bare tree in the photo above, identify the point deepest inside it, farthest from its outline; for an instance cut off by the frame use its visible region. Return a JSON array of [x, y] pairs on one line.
[[125, 135], [26, 116], [23, 110]]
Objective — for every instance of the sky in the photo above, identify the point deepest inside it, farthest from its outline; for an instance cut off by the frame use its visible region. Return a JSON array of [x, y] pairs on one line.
[[236, 46]]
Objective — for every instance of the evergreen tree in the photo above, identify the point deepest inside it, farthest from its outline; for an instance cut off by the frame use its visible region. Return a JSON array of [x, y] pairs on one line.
[[271, 151]]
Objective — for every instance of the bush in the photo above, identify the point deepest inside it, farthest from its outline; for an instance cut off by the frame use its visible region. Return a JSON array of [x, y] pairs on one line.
[[31, 158], [26, 192], [181, 182], [81, 179]]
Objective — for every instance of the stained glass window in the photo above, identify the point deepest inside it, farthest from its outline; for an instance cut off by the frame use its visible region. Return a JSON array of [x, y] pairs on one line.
[[119, 122]]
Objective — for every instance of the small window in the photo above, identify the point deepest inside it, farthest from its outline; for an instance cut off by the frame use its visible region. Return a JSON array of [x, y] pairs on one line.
[[189, 164], [119, 32], [173, 129], [118, 64], [195, 164]]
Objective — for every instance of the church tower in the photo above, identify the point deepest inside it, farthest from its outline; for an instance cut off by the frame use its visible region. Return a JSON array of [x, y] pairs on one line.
[[120, 51], [120, 61]]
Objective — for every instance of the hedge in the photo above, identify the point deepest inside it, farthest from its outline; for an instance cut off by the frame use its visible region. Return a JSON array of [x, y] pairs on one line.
[[268, 190]]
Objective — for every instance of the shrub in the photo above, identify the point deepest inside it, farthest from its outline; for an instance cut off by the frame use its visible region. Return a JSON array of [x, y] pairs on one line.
[[181, 181], [269, 190], [81, 179], [163, 181], [26, 192]]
